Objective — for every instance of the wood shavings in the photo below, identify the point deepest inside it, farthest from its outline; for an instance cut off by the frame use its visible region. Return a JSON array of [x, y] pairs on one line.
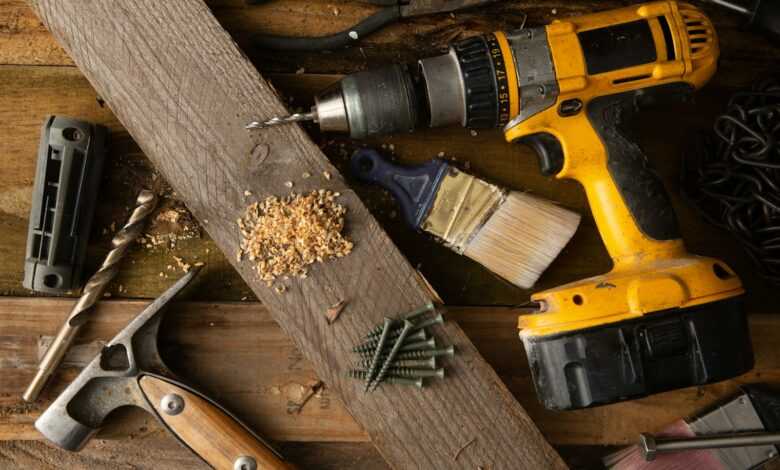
[[283, 236], [333, 312], [305, 175], [314, 387], [326, 175], [182, 265], [170, 226], [289, 184], [169, 215]]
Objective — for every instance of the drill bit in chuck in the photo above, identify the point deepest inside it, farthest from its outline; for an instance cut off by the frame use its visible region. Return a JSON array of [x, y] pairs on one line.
[[93, 291], [276, 121]]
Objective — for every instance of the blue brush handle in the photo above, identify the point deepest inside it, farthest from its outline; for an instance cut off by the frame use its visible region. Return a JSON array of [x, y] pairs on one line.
[[414, 187]]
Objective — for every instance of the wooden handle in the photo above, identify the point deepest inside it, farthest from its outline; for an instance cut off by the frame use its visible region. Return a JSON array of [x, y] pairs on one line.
[[207, 429]]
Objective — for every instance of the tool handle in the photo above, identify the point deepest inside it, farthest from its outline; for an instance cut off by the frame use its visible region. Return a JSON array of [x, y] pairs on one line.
[[338, 40], [206, 428], [414, 187], [629, 203]]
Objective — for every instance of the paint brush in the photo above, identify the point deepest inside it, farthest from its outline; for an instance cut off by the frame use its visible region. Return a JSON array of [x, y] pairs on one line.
[[512, 233]]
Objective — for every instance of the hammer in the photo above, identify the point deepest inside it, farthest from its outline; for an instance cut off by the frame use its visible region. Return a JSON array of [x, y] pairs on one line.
[[130, 371]]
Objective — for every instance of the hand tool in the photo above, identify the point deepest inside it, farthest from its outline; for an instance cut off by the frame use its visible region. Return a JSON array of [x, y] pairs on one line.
[[652, 446], [661, 318], [67, 179], [130, 372], [391, 11], [513, 234], [93, 291], [763, 15], [738, 434]]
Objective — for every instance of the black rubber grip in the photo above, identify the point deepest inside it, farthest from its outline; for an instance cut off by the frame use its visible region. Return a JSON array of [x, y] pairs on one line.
[[338, 40], [636, 180]]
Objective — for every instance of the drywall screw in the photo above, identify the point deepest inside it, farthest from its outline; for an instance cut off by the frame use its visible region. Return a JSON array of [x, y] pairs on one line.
[[378, 352], [417, 326], [415, 373], [391, 355], [370, 345], [362, 374], [92, 292], [426, 353], [429, 307], [428, 363], [429, 343]]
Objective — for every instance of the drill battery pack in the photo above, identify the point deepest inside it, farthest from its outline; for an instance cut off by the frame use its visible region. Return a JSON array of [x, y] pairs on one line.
[[634, 358]]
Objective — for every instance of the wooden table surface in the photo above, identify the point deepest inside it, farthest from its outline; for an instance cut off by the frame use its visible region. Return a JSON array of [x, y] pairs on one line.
[[37, 78]]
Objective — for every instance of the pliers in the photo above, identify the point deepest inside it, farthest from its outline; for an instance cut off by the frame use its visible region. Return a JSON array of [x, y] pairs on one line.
[[393, 10]]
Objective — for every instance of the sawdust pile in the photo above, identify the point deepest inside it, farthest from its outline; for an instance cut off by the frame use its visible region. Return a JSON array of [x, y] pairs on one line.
[[283, 236]]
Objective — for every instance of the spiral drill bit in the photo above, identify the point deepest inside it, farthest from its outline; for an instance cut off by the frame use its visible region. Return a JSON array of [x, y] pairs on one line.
[[92, 292], [276, 121]]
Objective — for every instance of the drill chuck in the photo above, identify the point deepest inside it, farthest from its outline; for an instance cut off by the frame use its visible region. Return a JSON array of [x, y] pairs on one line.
[[369, 103], [462, 87]]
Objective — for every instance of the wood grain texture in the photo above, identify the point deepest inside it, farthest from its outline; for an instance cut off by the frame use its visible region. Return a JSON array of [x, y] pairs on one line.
[[209, 345], [181, 87], [161, 451], [216, 437], [24, 40]]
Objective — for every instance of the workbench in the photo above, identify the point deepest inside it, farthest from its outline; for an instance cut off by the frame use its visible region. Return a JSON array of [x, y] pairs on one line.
[[38, 78]]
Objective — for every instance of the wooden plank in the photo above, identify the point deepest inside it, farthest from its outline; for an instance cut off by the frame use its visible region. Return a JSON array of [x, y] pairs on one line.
[[183, 89], [210, 344], [161, 451], [24, 40]]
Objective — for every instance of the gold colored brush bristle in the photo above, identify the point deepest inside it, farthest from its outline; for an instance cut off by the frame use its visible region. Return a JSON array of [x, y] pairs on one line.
[[513, 234], [522, 238]]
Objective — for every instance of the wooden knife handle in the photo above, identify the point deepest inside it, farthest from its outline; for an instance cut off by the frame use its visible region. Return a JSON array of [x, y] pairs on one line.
[[210, 431]]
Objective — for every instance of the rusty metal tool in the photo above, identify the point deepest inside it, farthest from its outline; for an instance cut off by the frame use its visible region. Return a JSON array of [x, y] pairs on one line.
[[392, 11], [130, 372], [93, 291]]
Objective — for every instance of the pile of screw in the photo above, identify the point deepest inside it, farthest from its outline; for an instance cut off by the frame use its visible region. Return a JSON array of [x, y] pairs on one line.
[[401, 351]]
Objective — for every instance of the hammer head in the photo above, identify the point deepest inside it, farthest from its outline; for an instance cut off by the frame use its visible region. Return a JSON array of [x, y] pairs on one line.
[[110, 381]]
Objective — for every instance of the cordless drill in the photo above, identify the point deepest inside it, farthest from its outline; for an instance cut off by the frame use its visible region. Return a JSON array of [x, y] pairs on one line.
[[661, 318]]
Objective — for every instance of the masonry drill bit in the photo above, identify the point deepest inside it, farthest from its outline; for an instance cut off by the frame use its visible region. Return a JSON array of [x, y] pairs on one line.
[[92, 292], [279, 120]]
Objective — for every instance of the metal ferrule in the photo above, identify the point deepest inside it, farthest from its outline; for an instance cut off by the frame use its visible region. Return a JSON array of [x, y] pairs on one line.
[[444, 89], [330, 111]]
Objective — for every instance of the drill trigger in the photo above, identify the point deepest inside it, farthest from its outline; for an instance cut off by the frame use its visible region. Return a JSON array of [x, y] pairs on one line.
[[549, 151]]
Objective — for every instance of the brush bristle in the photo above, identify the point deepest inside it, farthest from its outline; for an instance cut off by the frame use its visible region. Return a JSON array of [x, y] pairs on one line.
[[522, 237]]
